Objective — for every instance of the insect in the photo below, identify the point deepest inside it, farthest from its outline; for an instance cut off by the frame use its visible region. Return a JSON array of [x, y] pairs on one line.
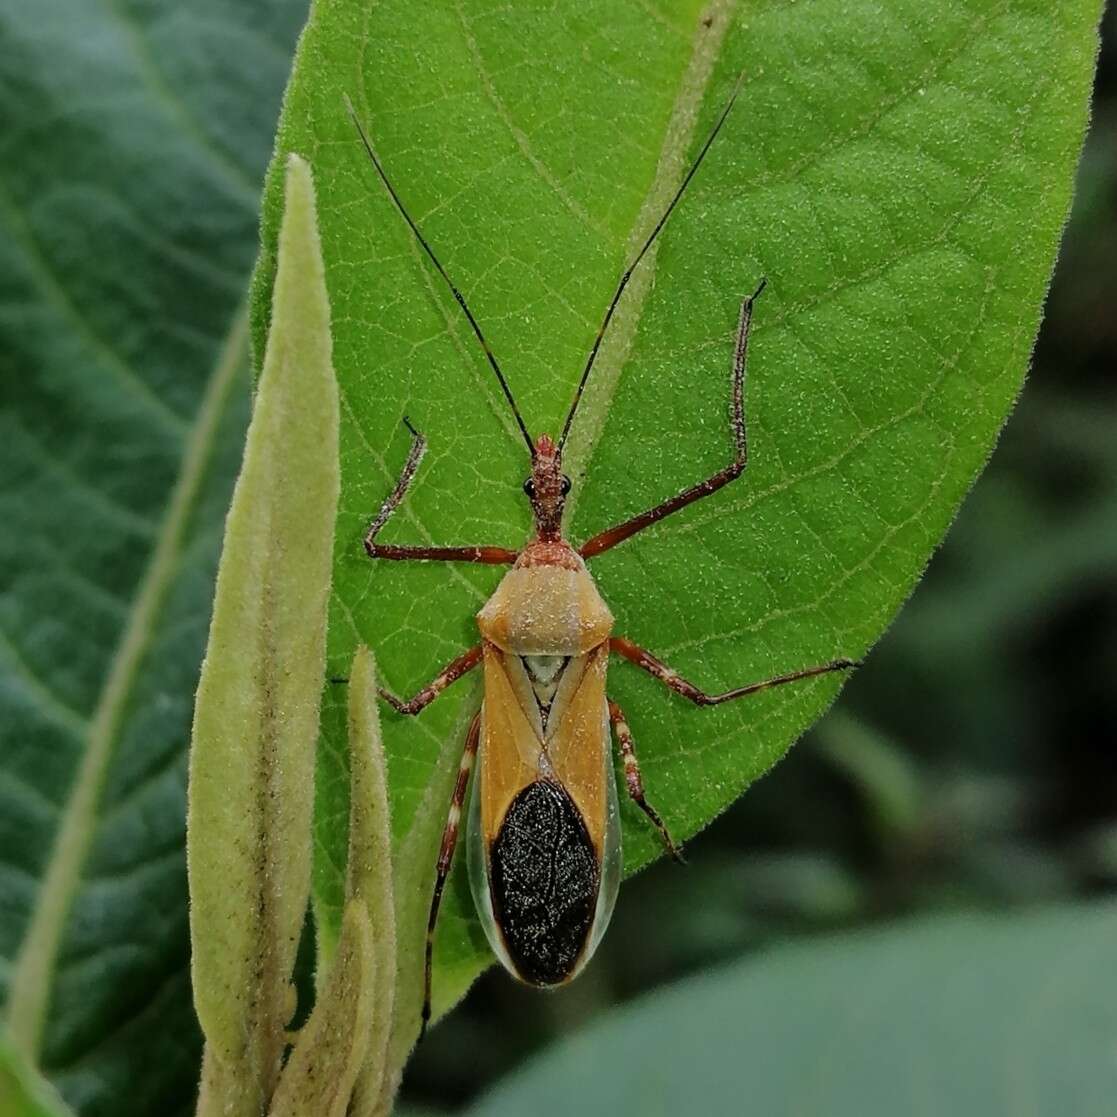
[[543, 835]]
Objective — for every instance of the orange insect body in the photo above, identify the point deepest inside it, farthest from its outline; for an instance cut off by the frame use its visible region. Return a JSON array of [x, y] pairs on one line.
[[543, 837], [544, 840]]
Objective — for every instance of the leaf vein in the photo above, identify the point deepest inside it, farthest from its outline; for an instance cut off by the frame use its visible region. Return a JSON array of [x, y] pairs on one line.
[[33, 972]]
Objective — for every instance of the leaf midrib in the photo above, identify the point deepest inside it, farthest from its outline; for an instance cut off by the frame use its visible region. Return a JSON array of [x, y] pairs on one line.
[[239, 180], [712, 25], [32, 971], [614, 351], [592, 413]]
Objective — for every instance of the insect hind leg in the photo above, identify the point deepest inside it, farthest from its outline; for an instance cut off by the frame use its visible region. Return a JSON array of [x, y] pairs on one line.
[[644, 659], [446, 857], [635, 783]]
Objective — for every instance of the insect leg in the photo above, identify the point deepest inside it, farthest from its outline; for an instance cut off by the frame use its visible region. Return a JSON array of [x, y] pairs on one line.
[[449, 674], [632, 778], [494, 555], [635, 654], [446, 856], [608, 539]]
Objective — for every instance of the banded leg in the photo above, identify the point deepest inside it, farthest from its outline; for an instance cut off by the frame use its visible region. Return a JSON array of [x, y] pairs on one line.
[[608, 539], [446, 856], [494, 555], [635, 654], [633, 781], [449, 674]]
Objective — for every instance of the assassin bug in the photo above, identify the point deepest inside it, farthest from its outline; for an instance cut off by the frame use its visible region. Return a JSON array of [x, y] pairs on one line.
[[543, 835]]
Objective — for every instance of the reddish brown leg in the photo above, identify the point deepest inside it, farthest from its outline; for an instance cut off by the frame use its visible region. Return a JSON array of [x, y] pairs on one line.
[[621, 532], [633, 781], [449, 674], [446, 856], [495, 555], [635, 654]]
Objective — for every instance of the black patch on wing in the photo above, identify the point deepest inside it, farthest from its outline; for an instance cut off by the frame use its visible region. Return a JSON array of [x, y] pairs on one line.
[[543, 881]]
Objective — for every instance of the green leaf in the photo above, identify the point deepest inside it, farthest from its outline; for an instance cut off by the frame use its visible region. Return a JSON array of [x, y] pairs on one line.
[[900, 174], [369, 880], [251, 791], [969, 1015], [136, 137], [319, 1075]]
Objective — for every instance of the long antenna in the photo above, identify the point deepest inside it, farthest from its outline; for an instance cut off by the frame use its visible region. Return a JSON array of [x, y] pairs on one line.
[[640, 255], [442, 272]]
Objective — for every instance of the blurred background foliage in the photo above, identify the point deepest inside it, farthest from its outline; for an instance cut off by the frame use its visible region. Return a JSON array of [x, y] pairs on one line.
[[969, 764]]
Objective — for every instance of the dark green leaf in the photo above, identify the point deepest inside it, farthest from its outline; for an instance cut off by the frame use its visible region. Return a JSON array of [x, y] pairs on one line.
[[135, 136]]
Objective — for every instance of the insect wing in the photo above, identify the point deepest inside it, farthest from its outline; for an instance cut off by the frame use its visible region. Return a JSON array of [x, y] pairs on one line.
[[544, 858], [578, 740], [511, 739], [578, 749]]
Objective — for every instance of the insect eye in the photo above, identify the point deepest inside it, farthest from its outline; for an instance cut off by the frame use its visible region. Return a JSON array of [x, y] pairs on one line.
[[565, 484], [529, 489]]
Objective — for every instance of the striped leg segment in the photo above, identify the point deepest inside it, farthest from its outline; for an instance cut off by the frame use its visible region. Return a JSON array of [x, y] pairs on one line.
[[449, 674], [633, 781], [492, 555], [618, 534], [635, 654], [446, 856]]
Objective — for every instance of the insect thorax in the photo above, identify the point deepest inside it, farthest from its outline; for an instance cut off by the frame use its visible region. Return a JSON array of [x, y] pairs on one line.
[[546, 611]]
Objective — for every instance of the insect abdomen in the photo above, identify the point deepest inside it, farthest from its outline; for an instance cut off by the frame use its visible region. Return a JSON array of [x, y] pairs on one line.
[[544, 879]]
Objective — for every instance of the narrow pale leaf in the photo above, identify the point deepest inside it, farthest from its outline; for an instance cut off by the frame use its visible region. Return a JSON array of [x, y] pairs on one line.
[[369, 879], [319, 1075], [256, 719]]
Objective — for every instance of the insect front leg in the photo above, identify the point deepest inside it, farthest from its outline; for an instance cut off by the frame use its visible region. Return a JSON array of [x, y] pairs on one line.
[[618, 534], [493, 555], [446, 856], [642, 658], [449, 674], [633, 781]]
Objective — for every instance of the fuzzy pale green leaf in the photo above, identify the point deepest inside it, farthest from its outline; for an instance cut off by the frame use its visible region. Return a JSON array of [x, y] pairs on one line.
[[318, 1078], [369, 881], [900, 174], [256, 717]]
